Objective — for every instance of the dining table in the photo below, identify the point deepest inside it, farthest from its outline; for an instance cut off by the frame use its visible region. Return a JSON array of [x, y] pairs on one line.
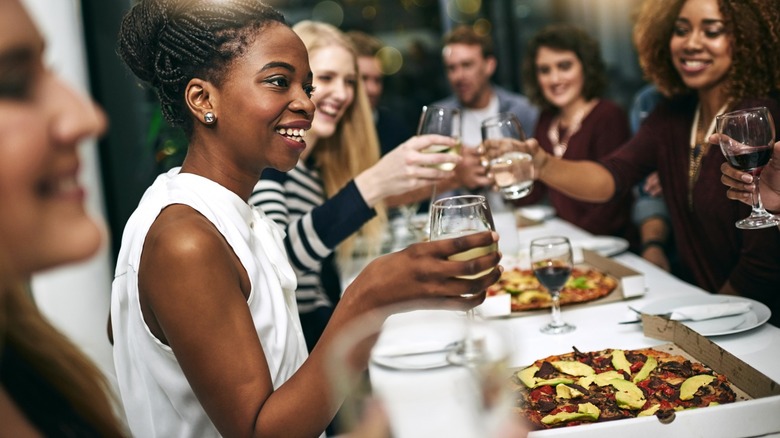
[[602, 325]]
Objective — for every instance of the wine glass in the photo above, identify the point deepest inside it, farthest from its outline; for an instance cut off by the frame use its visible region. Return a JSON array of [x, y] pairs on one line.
[[512, 168], [456, 216], [746, 138], [551, 260], [443, 121]]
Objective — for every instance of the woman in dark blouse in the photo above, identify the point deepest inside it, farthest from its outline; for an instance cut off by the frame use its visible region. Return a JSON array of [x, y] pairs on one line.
[[565, 76]]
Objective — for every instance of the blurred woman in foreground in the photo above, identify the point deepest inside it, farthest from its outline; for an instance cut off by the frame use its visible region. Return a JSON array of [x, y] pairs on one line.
[[47, 386]]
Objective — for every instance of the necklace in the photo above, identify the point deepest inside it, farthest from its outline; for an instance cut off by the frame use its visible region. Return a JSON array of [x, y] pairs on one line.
[[559, 137], [699, 147]]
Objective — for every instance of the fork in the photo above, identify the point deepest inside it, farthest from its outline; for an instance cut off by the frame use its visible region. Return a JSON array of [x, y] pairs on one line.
[[639, 313]]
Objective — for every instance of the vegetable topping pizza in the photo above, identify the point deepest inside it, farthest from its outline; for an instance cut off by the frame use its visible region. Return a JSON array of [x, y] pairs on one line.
[[584, 284], [577, 388]]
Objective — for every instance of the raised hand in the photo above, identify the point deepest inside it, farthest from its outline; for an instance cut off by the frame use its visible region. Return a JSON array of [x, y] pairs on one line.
[[406, 168], [471, 172], [740, 184]]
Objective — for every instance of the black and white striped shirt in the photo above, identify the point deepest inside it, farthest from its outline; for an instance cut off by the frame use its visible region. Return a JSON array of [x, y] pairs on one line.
[[314, 226]]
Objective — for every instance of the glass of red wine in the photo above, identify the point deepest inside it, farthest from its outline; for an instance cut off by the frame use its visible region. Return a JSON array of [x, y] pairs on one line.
[[551, 260], [746, 138]]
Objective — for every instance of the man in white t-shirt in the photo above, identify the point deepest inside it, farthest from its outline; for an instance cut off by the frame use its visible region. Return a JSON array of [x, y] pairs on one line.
[[470, 62]]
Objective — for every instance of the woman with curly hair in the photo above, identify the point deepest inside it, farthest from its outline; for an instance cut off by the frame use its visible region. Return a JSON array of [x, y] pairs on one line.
[[707, 57], [565, 76], [207, 340]]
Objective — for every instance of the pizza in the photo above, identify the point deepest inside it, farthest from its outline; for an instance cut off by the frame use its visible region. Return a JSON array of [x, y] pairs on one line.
[[578, 388], [584, 284]]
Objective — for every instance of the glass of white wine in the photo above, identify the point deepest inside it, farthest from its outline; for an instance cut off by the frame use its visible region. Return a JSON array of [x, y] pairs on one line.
[[512, 168], [457, 216], [443, 121]]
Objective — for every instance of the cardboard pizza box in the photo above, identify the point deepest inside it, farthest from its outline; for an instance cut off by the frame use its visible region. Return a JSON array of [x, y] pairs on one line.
[[755, 413], [632, 282]]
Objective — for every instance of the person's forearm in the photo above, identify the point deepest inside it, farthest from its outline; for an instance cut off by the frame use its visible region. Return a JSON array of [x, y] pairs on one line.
[[583, 180], [417, 195], [654, 229], [728, 289], [311, 389]]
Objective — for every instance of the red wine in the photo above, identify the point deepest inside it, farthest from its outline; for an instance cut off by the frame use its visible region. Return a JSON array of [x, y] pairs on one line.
[[751, 160], [553, 277]]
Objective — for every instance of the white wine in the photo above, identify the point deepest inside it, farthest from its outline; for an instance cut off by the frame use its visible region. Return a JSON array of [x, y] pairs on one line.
[[472, 254], [513, 173], [443, 149]]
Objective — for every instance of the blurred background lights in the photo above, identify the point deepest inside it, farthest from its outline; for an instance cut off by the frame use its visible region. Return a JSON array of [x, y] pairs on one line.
[[468, 7], [368, 13], [391, 59], [483, 26], [329, 12]]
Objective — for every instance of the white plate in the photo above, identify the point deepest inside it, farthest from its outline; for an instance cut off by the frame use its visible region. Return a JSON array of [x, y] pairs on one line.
[[412, 360], [537, 212], [606, 246], [758, 314]]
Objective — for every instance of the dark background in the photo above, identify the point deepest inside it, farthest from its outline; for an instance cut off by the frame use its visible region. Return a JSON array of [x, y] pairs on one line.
[[139, 145]]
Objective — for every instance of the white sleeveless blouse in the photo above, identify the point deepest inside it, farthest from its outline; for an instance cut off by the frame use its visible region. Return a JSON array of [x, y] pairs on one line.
[[157, 398]]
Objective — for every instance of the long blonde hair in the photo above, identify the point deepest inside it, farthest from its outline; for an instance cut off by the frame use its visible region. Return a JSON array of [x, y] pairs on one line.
[[354, 147], [60, 363]]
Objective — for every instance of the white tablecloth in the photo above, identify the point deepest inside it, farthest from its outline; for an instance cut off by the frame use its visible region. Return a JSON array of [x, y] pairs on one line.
[[597, 325]]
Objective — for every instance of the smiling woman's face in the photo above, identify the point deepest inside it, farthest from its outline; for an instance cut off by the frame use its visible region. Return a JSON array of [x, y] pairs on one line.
[[43, 222], [700, 45], [335, 80]]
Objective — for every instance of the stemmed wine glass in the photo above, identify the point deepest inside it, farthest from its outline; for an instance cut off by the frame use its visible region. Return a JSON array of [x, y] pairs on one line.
[[551, 260], [746, 138], [458, 216], [443, 121], [512, 168]]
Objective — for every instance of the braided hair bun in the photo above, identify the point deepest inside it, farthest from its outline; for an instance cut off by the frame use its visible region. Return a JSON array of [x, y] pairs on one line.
[[166, 43]]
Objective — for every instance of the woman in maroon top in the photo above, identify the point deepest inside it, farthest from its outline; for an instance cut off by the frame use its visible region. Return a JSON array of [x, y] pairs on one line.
[[565, 76], [708, 57]]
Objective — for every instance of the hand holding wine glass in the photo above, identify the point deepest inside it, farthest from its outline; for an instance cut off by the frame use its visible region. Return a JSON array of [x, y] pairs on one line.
[[458, 216], [443, 121], [746, 138], [511, 168], [551, 260]]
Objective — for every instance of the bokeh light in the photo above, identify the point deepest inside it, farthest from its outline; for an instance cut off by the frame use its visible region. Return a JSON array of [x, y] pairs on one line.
[[391, 59], [469, 7], [368, 13], [329, 12], [483, 26]]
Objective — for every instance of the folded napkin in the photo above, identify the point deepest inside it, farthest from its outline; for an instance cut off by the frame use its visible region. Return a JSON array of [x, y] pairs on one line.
[[701, 312]]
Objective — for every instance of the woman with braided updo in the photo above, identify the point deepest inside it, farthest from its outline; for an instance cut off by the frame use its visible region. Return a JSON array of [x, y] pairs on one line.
[[207, 337], [707, 57]]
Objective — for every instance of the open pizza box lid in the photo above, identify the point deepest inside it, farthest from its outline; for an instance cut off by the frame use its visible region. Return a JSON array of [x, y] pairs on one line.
[[631, 284], [755, 413]]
